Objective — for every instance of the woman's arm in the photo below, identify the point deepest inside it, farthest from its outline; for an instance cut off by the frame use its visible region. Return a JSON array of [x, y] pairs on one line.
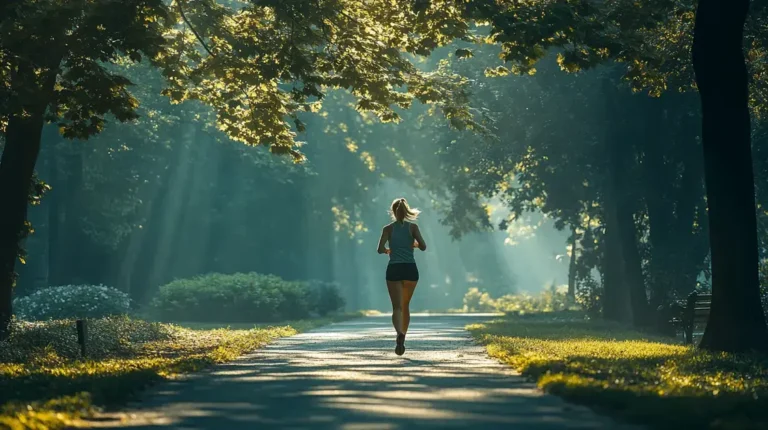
[[382, 249], [417, 236]]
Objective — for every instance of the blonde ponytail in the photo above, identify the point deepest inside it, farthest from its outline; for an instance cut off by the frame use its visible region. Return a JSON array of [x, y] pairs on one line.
[[402, 212]]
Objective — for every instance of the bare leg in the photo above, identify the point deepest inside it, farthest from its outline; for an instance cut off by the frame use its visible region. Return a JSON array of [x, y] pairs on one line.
[[408, 288], [396, 297]]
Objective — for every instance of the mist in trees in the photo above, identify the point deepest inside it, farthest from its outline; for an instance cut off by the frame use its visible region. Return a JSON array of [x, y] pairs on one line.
[[169, 196]]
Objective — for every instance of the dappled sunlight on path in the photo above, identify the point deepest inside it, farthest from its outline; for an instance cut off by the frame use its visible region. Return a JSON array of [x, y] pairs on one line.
[[346, 376]]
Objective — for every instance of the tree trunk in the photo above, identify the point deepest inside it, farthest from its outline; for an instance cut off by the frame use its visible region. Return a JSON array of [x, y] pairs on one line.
[[131, 254], [736, 322], [172, 212], [572, 267], [620, 208], [674, 200], [53, 200], [148, 241], [34, 274], [70, 209], [616, 299], [320, 241], [633, 269], [17, 165]]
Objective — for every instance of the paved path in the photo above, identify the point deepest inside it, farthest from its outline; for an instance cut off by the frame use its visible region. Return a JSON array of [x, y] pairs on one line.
[[346, 376]]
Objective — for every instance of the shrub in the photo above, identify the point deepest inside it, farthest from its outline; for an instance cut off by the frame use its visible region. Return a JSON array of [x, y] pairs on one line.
[[325, 297], [522, 303], [243, 297], [72, 301], [477, 301], [553, 299], [589, 295]]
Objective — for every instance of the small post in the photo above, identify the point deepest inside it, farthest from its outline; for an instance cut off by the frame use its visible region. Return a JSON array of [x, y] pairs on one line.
[[82, 333]]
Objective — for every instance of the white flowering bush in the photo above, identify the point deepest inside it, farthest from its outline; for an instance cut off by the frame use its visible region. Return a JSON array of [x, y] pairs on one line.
[[72, 301]]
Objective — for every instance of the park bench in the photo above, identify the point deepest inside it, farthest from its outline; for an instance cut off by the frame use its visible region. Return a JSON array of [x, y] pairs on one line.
[[693, 316]]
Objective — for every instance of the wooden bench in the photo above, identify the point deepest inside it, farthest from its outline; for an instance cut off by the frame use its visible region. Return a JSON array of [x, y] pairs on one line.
[[695, 312]]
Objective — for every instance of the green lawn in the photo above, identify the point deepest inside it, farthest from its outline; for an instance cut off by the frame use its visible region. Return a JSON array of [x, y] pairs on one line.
[[632, 375], [46, 385]]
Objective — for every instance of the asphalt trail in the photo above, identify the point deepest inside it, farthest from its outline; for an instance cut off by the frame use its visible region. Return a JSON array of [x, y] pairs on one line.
[[346, 376]]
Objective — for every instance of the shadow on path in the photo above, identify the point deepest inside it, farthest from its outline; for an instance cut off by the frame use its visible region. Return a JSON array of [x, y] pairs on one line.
[[346, 376]]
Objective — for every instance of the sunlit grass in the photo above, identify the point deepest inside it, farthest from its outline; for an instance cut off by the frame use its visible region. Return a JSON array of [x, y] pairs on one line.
[[634, 375], [46, 386]]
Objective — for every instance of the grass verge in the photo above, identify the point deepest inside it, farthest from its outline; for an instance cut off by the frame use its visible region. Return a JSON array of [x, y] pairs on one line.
[[45, 385], [632, 375]]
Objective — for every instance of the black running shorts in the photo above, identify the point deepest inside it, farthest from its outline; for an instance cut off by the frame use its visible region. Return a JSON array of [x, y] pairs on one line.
[[402, 272]]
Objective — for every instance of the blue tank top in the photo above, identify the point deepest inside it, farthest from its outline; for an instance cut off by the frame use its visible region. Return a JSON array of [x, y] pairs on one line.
[[401, 243]]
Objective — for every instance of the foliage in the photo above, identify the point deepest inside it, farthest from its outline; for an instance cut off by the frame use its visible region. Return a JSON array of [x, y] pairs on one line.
[[241, 297], [589, 295], [553, 299], [257, 64], [651, 41], [72, 301], [47, 386], [325, 297], [764, 284], [561, 139], [629, 374], [477, 301]]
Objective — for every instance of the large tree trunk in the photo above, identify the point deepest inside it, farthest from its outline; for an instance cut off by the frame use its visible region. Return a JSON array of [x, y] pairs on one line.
[[736, 322], [17, 165], [35, 274]]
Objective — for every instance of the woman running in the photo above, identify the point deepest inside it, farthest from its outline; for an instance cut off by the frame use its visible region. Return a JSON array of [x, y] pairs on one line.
[[402, 274]]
